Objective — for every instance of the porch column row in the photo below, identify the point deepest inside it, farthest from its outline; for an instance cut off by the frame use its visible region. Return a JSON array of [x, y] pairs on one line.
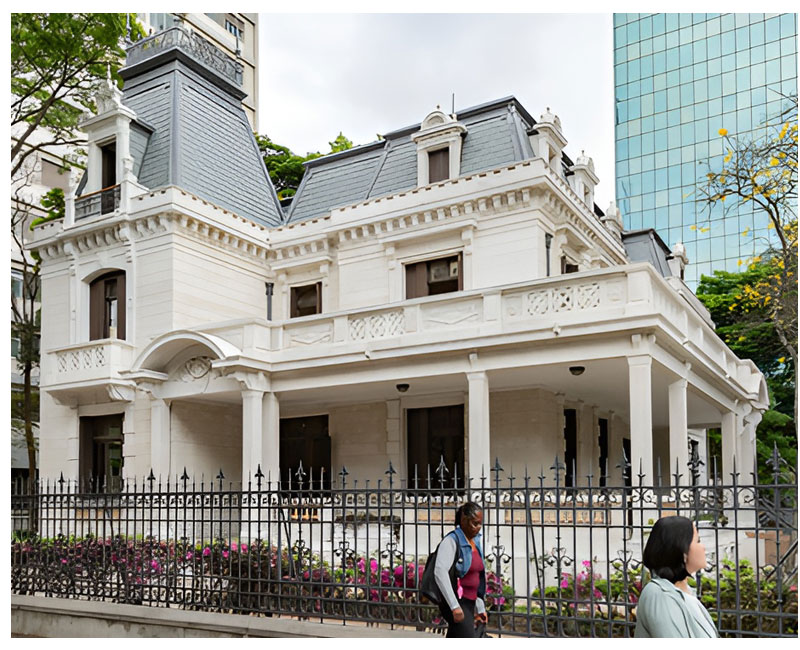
[[260, 436]]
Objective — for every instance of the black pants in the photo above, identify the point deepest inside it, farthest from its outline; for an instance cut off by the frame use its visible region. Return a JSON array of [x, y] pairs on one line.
[[466, 628]]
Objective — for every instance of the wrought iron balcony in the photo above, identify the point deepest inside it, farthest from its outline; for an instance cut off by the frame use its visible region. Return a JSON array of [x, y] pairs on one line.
[[195, 46], [101, 202]]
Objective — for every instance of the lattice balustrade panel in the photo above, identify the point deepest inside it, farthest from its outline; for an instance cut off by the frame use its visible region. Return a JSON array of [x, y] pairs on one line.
[[84, 359], [560, 299], [377, 326]]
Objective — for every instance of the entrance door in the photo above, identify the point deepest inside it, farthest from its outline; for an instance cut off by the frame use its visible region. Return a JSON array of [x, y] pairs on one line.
[[306, 440], [433, 434], [100, 456], [570, 445]]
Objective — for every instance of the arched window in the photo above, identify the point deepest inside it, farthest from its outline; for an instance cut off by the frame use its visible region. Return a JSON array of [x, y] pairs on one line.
[[107, 306]]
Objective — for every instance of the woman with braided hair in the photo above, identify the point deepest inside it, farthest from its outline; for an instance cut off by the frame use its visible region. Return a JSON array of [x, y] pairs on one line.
[[461, 575]]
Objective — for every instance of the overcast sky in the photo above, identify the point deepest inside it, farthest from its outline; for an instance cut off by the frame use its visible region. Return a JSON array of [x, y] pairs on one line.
[[364, 74]]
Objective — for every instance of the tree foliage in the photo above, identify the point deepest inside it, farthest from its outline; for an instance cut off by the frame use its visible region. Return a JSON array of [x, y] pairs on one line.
[[762, 171], [748, 330], [56, 60], [285, 168]]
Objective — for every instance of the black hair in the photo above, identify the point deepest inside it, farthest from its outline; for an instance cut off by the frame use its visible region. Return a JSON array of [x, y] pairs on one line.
[[470, 509], [669, 542]]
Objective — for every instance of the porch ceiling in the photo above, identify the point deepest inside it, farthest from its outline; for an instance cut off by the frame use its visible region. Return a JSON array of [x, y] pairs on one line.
[[603, 383]]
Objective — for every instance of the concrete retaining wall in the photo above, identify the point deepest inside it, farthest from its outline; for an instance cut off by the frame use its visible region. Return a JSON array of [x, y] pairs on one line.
[[59, 617]]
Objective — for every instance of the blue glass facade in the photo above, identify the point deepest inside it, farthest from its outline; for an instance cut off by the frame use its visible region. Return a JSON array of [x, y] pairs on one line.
[[678, 79]]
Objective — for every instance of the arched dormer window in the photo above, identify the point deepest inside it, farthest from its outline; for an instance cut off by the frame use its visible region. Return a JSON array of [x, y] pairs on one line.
[[107, 306], [438, 148]]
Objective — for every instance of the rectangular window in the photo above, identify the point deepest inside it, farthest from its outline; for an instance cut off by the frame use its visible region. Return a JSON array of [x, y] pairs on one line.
[[570, 445], [436, 435], [305, 442], [432, 277], [108, 154], [438, 165], [306, 300], [234, 26], [14, 347], [602, 442], [16, 284], [567, 267], [100, 453]]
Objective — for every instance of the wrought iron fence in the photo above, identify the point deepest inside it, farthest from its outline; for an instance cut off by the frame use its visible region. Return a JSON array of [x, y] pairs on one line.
[[561, 561]]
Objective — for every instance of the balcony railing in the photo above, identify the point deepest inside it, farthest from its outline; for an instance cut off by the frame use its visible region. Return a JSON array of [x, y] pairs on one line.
[[92, 361], [101, 202], [198, 48]]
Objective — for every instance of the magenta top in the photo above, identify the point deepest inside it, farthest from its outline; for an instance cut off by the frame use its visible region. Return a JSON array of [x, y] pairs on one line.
[[471, 581]]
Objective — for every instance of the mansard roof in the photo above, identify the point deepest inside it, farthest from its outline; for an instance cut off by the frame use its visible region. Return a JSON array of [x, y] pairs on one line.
[[190, 94], [497, 135], [646, 245]]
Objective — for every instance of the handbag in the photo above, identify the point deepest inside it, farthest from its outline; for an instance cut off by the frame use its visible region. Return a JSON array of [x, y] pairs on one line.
[[428, 588]]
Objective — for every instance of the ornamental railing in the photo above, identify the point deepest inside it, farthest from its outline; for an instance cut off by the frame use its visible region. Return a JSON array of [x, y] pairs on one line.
[[103, 201], [194, 45], [561, 560]]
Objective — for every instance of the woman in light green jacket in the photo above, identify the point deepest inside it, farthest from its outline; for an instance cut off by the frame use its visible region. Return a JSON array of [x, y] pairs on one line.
[[667, 606]]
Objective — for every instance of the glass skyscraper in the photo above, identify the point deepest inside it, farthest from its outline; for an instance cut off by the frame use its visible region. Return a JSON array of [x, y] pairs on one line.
[[679, 79]]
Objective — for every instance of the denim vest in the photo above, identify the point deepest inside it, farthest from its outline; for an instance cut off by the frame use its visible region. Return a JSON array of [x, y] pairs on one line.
[[464, 557]]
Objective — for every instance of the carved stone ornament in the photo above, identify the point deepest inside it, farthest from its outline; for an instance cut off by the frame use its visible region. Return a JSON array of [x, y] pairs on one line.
[[195, 368], [108, 96]]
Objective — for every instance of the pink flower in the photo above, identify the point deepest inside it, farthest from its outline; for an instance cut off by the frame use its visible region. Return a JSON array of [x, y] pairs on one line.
[[244, 548], [63, 560], [234, 547], [564, 583], [154, 565], [189, 555], [587, 563], [206, 551], [361, 564], [225, 554], [373, 565]]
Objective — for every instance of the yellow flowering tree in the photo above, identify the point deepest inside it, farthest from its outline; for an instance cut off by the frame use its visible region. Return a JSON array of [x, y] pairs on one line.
[[762, 172]]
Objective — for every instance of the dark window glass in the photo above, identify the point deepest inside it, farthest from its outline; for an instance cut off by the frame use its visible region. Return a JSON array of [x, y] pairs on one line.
[[305, 441], [438, 165], [435, 435], [433, 277], [306, 300], [107, 307], [100, 453]]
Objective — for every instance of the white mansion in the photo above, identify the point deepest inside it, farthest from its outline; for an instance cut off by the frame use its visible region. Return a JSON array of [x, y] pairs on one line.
[[450, 290]]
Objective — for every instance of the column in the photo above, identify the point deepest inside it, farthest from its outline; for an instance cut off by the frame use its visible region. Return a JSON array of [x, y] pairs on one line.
[[678, 432], [478, 463], [729, 447], [747, 447], [270, 436], [252, 439], [641, 417], [160, 435]]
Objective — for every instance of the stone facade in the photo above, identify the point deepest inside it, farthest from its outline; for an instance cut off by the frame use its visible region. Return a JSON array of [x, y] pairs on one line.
[[551, 329]]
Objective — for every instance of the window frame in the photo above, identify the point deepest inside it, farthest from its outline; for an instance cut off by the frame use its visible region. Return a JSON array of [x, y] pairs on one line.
[[416, 274], [99, 325], [293, 299]]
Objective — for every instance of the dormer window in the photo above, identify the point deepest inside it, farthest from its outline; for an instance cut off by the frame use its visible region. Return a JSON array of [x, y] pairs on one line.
[[438, 148], [438, 165], [108, 154]]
